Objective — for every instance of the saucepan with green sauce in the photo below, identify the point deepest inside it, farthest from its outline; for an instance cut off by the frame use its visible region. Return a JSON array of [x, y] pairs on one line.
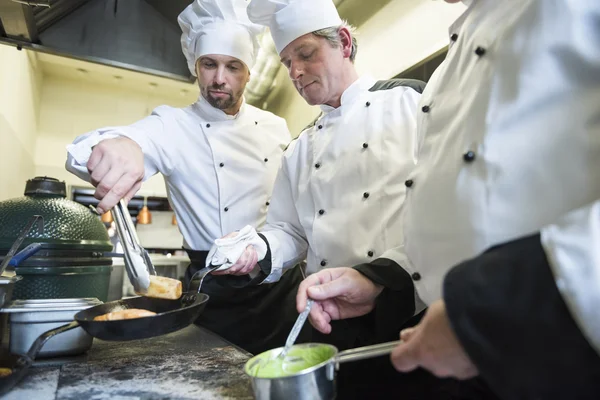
[[307, 372]]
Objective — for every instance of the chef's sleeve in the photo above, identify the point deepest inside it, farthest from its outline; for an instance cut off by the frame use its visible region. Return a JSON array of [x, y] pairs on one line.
[[526, 311], [285, 236], [149, 133], [398, 301]]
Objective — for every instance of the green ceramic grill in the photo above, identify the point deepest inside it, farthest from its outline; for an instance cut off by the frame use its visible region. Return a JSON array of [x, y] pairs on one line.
[[71, 261]]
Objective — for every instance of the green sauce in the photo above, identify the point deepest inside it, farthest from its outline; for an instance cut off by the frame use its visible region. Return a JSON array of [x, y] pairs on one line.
[[298, 359]]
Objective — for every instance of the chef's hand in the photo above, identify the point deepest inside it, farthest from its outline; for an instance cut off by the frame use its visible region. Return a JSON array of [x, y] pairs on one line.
[[433, 345], [244, 265], [116, 167], [339, 293]]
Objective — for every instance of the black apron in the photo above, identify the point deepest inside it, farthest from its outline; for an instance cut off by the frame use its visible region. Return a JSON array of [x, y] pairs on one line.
[[376, 378], [254, 317]]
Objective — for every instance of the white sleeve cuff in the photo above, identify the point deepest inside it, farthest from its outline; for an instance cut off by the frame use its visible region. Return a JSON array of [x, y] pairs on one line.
[[276, 261], [573, 251]]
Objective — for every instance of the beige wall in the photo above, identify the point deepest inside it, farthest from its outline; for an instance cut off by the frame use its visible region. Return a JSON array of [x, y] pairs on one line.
[[73, 104], [286, 102], [20, 82], [414, 30]]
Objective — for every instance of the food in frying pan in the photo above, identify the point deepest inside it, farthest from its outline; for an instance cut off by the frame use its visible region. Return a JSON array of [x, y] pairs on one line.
[[268, 365], [163, 288], [130, 313], [4, 372]]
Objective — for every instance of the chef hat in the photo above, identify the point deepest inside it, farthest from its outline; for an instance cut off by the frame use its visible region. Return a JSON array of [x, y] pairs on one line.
[[218, 27], [290, 19]]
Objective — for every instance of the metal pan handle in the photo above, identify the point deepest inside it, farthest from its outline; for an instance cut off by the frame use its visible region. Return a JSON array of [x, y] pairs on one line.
[[44, 337], [202, 274], [361, 353]]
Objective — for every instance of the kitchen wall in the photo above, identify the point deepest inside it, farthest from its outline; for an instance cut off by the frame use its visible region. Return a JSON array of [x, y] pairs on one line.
[[20, 85], [401, 34], [161, 233], [77, 100], [46, 101]]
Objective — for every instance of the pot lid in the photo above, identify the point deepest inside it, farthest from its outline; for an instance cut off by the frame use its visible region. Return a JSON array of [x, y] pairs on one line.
[[67, 224]]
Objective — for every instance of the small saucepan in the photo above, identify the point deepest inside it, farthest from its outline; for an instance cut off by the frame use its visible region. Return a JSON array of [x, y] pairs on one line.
[[310, 372]]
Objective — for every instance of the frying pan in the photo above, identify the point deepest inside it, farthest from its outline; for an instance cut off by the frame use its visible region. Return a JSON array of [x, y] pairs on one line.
[[171, 316]]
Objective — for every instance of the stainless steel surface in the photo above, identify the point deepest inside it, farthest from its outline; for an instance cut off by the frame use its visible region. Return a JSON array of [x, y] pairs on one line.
[[40, 226], [317, 382], [7, 285], [18, 21], [145, 37], [291, 339], [202, 274], [361, 353], [117, 278], [137, 260], [28, 319]]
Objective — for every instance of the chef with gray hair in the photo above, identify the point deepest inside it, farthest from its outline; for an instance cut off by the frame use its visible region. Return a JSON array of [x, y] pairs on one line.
[[339, 195], [218, 156]]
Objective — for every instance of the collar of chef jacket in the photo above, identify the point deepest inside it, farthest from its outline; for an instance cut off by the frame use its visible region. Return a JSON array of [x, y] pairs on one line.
[[209, 113], [352, 92]]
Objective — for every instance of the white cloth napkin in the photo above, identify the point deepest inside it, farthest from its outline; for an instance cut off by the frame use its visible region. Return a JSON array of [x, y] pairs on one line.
[[226, 251]]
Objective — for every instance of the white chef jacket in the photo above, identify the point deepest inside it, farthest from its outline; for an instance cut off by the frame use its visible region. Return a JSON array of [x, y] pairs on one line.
[[340, 191], [510, 128], [219, 169]]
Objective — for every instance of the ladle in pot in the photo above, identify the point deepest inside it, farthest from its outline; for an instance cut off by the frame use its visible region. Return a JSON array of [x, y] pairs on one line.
[[316, 381]]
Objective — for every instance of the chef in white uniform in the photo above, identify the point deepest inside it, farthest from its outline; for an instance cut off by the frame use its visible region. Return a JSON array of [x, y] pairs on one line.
[[339, 195], [219, 158], [509, 163]]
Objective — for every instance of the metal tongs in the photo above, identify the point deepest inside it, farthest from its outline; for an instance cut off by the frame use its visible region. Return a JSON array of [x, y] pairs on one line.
[[137, 260]]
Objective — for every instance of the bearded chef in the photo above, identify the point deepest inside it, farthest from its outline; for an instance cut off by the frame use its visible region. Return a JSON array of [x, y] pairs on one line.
[[218, 156], [509, 166]]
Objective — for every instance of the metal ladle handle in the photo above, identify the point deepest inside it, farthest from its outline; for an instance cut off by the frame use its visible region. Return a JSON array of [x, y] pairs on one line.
[[361, 353]]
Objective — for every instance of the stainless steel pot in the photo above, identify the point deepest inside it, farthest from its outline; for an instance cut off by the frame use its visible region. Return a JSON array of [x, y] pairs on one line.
[[315, 383], [31, 318]]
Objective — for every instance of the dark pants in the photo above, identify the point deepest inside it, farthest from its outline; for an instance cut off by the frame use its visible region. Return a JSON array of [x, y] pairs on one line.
[[256, 318], [377, 379]]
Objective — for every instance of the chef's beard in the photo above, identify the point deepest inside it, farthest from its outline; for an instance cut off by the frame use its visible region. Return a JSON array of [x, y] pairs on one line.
[[220, 103]]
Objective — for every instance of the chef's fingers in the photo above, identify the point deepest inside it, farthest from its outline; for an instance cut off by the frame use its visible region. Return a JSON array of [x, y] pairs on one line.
[[95, 158], [405, 356], [312, 280], [301, 296], [243, 263], [98, 171], [104, 187], [319, 319], [252, 261], [118, 190], [329, 290], [133, 191], [407, 333], [332, 309]]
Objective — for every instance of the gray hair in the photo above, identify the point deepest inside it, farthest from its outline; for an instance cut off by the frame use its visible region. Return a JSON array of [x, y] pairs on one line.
[[332, 35]]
